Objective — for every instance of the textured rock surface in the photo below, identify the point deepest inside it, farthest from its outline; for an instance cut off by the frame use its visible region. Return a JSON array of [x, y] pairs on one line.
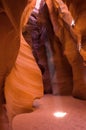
[[79, 14], [9, 36]]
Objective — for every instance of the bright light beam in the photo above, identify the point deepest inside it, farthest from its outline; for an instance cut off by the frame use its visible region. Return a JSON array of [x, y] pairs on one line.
[[73, 23], [60, 114], [37, 6]]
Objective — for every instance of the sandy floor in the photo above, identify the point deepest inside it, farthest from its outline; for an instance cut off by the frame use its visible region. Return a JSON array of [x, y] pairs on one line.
[[51, 113], [54, 113]]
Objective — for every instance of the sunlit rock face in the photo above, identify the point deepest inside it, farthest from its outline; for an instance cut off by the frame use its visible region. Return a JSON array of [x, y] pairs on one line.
[[62, 79], [25, 78], [70, 50], [78, 11], [9, 35], [10, 26]]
